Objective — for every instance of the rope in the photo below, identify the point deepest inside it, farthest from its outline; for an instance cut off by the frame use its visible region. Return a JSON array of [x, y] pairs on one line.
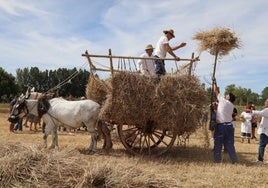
[[73, 75]]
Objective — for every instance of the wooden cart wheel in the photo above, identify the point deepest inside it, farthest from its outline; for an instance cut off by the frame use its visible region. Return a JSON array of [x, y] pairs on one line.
[[140, 140]]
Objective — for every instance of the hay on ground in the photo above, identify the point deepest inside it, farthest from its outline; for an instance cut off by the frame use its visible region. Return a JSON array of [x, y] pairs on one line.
[[175, 103], [218, 40], [23, 165]]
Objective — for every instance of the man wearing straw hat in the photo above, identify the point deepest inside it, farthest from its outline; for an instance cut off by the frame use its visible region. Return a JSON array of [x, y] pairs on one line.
[[161, 49], [146, 66]]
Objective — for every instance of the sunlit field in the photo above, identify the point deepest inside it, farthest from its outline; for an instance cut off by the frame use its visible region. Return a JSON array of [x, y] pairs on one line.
[[25, 163]]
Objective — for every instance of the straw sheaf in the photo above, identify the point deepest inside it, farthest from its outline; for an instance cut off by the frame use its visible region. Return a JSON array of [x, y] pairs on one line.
[[96, 89], [174, 103], [218, 40]]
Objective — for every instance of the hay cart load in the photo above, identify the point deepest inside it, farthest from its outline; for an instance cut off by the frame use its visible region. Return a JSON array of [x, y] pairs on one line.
[[149, 115]]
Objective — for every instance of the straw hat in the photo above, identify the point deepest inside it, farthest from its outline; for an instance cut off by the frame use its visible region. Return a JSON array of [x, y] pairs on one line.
[[170, 31], [149, 47]]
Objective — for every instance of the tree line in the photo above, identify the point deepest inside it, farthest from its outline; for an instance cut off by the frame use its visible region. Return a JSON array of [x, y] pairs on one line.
[[244, 96], [45, 80]]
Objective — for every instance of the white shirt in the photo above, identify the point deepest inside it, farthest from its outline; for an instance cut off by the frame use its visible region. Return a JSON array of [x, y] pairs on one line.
[[246, 125], [160, 49], [224, 110], [263, 129], [146, 66]]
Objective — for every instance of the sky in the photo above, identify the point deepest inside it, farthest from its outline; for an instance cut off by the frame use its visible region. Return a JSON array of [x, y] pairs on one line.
[[53, 34]]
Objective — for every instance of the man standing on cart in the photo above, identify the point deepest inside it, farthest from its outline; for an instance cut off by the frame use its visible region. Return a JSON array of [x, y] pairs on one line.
[[161, 49], [146, 66]]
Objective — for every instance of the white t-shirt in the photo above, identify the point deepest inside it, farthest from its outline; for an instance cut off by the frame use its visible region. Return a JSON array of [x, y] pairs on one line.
[[264, 121], [146, 66], [246, 125], [224, 110], [160, 49]]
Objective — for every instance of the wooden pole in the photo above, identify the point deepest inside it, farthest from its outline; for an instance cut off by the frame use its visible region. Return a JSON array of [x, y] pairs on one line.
[[191, 65], [132, 57], [91, 66], [213, 80], [111, 62]]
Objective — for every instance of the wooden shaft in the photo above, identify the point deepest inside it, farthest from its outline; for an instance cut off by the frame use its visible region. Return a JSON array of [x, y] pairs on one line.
[[212, 87], [191, 65], [132, 57], [111, 62]]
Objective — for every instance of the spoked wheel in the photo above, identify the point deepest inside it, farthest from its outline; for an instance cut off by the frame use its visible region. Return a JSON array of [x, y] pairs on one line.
[[144, 140]]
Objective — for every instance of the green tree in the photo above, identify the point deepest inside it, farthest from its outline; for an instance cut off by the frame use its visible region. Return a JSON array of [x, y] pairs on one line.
[[264, 94], [8, 86], [243, 95]]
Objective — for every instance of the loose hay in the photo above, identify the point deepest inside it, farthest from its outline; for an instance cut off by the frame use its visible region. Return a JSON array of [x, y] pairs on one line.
[[29, 166], [218, 40], [175, 103]]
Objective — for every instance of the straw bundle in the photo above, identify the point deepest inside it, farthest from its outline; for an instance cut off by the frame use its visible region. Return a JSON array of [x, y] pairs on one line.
[[96, 89], [218, 40], [174, 103]]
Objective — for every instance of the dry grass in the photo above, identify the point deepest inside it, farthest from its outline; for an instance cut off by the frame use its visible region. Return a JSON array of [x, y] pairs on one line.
[[24, 163]]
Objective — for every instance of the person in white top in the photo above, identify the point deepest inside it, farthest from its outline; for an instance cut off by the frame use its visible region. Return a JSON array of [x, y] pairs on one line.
[[224, 130], [246, 117], [162, 48], [263, 130], [146, 66]]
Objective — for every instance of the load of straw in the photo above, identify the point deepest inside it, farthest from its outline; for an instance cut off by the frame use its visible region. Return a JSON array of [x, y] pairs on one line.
[[174, 103], [219, 41], [96, 89]]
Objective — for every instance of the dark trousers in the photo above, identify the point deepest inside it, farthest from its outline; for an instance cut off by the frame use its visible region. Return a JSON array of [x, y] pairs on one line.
[[19, 125], [224, 135], [159, 67], [262, 145]]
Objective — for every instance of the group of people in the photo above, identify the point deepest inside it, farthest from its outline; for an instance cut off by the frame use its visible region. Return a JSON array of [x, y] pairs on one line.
[[222, 118], [156, 66]]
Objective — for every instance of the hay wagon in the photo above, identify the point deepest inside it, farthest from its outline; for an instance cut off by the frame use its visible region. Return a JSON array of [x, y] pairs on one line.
[[149, 116]]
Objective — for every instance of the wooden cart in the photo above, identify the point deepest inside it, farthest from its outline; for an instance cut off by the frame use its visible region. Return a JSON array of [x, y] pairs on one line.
[[140, 139]]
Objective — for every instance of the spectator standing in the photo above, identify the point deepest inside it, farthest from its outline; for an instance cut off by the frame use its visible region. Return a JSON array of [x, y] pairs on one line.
[[254, 121], [33, 120], [262, 131], [11, 105], [246, 128], [234, 117], [204, 117]]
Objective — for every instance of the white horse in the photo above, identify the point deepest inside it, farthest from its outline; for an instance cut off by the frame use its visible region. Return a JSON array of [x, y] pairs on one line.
[[58, 111]]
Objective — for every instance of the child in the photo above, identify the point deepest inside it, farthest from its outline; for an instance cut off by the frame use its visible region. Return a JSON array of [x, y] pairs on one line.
[[246, 127]]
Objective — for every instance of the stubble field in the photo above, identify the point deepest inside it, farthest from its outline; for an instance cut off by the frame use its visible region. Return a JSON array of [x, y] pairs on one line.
[[25, 163]]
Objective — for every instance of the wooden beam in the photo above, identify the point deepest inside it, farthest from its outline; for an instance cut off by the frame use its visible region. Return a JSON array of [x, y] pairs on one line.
[[133, 57]]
